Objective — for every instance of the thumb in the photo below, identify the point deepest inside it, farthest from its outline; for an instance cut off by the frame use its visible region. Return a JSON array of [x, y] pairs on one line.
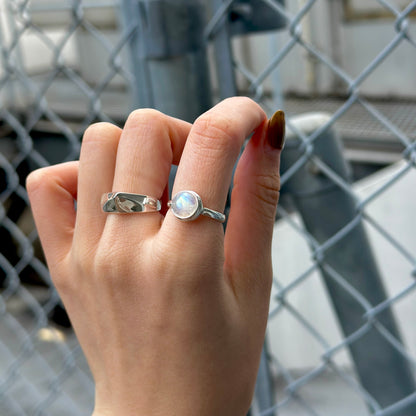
[[253, 208], [52, 192]]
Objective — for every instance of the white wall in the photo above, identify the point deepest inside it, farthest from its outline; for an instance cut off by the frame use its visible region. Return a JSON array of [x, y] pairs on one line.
[[395, 210]]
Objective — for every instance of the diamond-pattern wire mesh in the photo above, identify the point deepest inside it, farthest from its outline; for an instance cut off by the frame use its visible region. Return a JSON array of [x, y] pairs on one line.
[[62, 67]]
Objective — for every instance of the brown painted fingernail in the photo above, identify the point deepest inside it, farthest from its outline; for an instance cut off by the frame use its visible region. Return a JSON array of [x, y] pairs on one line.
[[276, 130]]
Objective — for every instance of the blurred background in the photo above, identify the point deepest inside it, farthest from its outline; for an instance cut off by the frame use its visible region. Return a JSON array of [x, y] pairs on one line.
[[341, 338]]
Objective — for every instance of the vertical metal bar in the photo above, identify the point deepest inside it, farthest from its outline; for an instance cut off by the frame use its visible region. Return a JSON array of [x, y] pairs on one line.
[[168, 56], [227, 85], [277, 89], [335, 39], [326, 208], [238, 17], [132, 22]]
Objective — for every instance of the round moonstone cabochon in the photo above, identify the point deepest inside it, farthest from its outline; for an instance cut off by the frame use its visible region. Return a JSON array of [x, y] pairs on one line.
[[184, 205]]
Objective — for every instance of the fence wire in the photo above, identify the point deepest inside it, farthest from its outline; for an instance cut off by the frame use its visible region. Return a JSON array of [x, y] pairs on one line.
[[66, 64]]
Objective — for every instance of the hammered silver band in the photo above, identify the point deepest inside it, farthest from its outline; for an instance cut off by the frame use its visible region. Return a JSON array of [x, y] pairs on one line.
[[188, 206], [128, 203]]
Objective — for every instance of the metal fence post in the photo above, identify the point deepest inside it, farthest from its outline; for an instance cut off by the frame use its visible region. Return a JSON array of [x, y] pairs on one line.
[[326, 208], [231, 18], [167, 55], [227, 85]]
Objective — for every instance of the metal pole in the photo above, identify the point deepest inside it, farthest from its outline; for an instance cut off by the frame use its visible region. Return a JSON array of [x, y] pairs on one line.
[[325, 209], [167, 55], [227, 85]]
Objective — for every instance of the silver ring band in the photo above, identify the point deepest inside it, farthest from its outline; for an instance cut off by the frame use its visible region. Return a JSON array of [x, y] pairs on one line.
[[187, 206], [127, 203]]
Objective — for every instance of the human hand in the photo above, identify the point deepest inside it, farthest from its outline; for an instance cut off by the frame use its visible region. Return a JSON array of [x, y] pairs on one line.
[[171, 315]]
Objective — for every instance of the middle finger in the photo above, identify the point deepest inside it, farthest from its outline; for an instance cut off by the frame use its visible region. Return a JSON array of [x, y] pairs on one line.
[[149, 144]]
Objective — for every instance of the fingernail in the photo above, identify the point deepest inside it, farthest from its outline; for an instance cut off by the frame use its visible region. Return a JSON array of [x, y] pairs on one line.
[[276, 130]]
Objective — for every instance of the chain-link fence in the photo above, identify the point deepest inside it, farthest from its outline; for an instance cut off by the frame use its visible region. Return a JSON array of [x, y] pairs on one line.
[[341, 340]]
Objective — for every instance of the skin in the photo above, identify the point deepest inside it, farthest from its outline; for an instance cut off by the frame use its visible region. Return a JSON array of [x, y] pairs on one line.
[[171, 315]]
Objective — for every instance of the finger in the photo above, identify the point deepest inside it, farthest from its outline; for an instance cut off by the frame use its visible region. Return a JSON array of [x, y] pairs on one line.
[[150, 143], [96, 175], [253, 208], [211, 150], [52, 192]]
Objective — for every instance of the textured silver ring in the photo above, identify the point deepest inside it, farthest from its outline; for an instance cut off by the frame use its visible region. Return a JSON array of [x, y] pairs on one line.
[[127, 203], [187, 206]]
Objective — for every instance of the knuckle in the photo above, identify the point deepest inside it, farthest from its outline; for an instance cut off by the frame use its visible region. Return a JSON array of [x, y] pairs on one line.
[[242, 100], [63, 284], [267, 194], [145, 119], [203, 255], [103, 261], [112, 259], [98, 132], [33, 180], [215, 132], [98, 266], [38, 180], [269, 188]]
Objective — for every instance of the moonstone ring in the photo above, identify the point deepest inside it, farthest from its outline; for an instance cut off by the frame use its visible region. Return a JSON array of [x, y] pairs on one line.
[[126, 203], [187, 206]]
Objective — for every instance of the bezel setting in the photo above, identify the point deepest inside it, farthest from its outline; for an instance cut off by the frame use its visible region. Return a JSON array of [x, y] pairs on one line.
[[190, 212]]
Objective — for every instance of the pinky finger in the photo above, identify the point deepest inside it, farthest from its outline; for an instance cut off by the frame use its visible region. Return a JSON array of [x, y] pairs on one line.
[[52, 192]]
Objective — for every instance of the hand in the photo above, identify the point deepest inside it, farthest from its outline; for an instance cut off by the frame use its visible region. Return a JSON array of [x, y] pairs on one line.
[[171, 315]]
